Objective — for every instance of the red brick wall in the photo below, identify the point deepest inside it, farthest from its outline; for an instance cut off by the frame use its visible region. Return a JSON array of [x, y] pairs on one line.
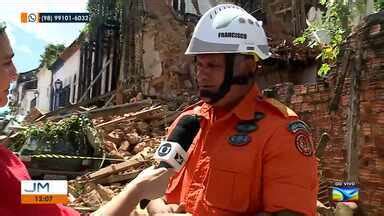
[[311, 102]]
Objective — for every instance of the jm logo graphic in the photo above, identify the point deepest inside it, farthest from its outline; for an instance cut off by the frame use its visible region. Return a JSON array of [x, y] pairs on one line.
[[44, 191], [38, 187]]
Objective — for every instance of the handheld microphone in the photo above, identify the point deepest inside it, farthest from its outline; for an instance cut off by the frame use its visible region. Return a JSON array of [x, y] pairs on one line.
[[172, 153]]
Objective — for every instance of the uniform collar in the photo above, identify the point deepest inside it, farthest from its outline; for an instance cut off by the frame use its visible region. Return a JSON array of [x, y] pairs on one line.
[[245, 110]]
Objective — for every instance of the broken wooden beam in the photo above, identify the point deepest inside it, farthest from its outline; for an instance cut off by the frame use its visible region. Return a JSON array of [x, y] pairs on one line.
[[114, 121], [118, 178], [109, 101], [120, 109], [353, 120], [324, 139], [33, 115], [283, 11], [105, 111], [115, 168], [60, 111], [86, 209], [87, 108], [168, 119], [94, 81], [140, 114], [334, 104]]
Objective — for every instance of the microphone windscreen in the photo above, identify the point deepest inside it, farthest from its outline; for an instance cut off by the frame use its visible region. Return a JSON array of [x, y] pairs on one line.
[[185, 131]]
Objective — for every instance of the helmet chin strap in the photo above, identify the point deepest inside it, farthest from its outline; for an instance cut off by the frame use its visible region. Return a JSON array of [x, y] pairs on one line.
[[229, 80]]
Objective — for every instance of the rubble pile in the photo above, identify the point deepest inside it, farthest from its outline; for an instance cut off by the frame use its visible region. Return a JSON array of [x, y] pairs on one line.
[[132, 137], [89, 192], [127, 135]]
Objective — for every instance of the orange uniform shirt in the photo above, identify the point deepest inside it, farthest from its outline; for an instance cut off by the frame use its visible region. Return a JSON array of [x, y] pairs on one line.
[[255, 158]]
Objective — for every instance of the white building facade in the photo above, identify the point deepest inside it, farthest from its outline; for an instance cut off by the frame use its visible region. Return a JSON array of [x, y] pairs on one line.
[[65, 79], [44, 79]]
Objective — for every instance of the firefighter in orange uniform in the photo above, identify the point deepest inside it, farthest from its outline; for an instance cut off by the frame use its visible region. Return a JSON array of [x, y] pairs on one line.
[[252, 154]]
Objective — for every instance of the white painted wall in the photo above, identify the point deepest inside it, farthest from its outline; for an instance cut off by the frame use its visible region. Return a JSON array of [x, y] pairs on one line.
[[44, 89], [25, 105], [69, 74], [24, 99], [19, 93]]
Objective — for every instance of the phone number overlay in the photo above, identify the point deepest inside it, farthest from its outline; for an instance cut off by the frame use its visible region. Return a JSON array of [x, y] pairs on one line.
[[64, 17]]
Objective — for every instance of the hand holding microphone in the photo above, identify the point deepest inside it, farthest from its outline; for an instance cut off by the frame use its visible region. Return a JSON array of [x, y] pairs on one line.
[[152, 182], [172, 153]]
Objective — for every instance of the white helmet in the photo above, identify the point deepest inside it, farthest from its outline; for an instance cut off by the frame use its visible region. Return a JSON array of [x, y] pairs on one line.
[[228, 28]]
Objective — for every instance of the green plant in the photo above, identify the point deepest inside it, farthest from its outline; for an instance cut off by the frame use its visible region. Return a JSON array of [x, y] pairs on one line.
[[328, 33], [51, 53], [379, 5], [335, 24], [70, 131]]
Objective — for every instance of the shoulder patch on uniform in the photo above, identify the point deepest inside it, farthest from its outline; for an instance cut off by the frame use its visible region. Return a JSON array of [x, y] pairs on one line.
[[303, 139], [282, 108], [296, 125]]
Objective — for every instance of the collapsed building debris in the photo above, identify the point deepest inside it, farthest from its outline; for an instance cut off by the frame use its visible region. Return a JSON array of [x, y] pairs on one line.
[[133, 137], [127, 135]]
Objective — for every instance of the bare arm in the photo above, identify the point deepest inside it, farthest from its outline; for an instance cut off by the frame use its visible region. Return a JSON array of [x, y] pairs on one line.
[[159, 207], [123, 203], [150, 184]]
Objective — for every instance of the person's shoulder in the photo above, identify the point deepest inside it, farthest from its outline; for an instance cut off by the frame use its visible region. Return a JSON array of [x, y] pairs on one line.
[[284, 116], [192, 109], [278, 108], [288, 128]]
